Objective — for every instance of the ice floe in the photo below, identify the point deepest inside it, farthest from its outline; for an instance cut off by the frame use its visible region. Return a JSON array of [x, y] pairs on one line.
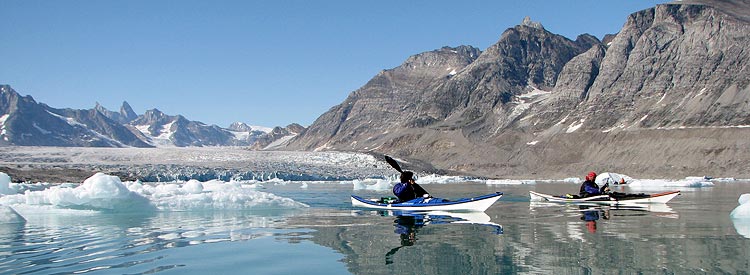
[[741, 216], [106, 193]]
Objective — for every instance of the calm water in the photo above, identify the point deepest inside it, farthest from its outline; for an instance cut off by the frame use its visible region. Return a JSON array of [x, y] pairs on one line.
[[692, 235]]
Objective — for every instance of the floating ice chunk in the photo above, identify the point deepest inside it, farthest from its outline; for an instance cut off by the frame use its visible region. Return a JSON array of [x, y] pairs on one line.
[[744, 198], [372, 184], [99, 192], [687, 182], [8, 215], [5, 184], [193, 187], [511, 182], [434, 178], [215, 195], [743, 210], [741, 216]]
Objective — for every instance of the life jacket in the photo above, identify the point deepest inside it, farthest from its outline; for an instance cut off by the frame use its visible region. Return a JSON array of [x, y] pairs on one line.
[[590, 188], [403, 191]]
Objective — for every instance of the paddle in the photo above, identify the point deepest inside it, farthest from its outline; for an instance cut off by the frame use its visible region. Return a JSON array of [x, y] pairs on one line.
[[393, 164], [417, 189]]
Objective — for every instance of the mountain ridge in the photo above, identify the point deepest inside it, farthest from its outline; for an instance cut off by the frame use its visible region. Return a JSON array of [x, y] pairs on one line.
[[28, 123]]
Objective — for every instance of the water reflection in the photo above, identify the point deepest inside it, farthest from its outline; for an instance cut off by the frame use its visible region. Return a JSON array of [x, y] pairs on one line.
[[591, 214], [742, 226], [406, 227], [407, 224], [67, 244]]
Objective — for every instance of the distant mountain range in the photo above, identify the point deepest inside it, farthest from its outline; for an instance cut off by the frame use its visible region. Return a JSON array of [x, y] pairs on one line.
[[25, 122], [668, 95]]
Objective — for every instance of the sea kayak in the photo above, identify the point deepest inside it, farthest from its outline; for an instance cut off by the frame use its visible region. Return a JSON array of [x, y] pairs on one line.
[[611, 199], [475, 204]]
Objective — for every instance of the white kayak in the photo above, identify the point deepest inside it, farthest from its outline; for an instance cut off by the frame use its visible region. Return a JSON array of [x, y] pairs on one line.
[[478, 204], [609, 199]]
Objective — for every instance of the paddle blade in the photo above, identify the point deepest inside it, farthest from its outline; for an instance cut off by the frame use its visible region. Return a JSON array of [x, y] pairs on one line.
[[393, 163]]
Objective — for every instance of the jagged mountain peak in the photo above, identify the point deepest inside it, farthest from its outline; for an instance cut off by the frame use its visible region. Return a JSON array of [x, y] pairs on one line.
[[446, 61], [240, 127], [533, 24], [127, 112]]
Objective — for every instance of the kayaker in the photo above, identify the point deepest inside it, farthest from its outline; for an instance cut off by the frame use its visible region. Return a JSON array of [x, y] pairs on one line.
[[408, 189], [590, 188]]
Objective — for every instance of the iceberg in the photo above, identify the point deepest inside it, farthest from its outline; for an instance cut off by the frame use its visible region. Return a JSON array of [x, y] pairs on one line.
[[211, 195], [689, 182], [372, 184], [510, 182], [741, 216], [99, 192], [106, 193], [743, 210], [9, 216], [5, 185]]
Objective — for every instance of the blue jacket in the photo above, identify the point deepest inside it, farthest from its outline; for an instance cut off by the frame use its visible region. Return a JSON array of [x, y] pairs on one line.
[[406, 192], [403, 191], [589, 188]]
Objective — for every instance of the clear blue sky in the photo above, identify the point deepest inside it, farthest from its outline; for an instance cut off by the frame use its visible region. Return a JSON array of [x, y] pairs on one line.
[[266, 63]]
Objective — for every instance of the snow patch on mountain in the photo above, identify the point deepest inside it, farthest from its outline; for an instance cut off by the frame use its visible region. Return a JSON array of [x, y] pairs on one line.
[[575, 126], [279, 142], [162, 139], [71, 121], [2, 125]]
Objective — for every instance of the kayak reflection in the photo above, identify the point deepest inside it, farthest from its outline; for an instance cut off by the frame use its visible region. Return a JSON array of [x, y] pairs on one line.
[[659, 209], [407, 224], [591, 214]]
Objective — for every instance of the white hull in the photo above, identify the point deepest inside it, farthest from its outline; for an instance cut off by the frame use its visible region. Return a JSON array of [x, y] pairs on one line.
[[478, 205], [605, 199]]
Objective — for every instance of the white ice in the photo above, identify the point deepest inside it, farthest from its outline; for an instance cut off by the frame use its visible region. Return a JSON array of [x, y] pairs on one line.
[[510, 182], [106, 193], [210, 195], [5, 185], [8, 215], [743, 210], [689, 182], [387, 184], [741, 216], [372, 184], [99, 192]]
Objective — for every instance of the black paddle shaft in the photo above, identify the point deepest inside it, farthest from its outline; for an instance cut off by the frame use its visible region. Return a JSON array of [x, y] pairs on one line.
[[393, 164]]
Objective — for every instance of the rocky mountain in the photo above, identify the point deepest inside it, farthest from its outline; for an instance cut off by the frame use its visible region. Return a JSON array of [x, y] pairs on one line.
[[25, 122], [666, 96]]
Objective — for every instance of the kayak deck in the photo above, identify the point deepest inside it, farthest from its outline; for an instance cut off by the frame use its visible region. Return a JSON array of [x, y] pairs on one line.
[[478, 204], [608, 199]]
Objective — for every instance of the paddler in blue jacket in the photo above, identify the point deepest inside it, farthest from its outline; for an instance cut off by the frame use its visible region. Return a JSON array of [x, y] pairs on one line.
[[408, 189], [590, 188]]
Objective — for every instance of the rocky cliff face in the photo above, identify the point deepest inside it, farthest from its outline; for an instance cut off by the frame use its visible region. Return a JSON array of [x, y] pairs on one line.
[[387, 101], [650, 102]]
